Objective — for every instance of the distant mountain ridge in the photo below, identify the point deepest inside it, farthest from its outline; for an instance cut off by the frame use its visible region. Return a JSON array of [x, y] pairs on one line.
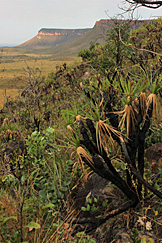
[[65, 42], [7, 45]]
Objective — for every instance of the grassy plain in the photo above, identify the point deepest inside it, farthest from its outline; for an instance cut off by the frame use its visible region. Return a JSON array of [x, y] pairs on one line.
[[10, 93], [13, 69]]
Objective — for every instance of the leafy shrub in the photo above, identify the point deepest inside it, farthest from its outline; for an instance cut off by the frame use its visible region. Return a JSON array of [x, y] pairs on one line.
[[154, 134]]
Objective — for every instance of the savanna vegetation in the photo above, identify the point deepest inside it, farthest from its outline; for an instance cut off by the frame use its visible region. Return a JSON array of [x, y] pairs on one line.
[[14, 72], [96, 117]]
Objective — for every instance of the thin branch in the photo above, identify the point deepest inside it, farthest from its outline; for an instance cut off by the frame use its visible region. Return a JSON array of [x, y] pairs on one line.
[[97, 223], [145, 3], [138, 49]]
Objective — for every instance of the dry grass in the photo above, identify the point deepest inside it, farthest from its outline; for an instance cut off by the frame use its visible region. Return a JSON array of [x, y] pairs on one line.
[[9, 72], [11, 93], [12, 65], [13, 77]]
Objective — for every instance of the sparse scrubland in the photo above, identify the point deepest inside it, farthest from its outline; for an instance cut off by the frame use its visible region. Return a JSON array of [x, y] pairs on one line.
[[13, 69], [95, 118]]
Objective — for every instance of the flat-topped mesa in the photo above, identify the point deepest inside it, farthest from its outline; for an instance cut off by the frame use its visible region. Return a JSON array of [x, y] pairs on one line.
[[109, 23], [47, 37], [75, 38], [63, 32]]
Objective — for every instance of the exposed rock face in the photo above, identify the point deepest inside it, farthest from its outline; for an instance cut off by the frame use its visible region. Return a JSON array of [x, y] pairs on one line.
[[54, 37], [63, 32], [109, 23]]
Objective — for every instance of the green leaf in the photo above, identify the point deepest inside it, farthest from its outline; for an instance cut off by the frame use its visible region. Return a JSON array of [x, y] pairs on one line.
[[42, 194], [7, 219], [89, 200], [49, 205], [23, 179], [94, 208], [69, 162], [123, 166], [151, 240], [95, 200], [143, 240], [64, 189], [156, 186], [88, 207], [84, 209], [49, 131], [104, 203], [33, 225], [25, 208]]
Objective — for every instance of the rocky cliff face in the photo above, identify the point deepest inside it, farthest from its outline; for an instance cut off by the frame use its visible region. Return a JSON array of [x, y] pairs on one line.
[[54, 38], [63, 32], [109, 23]]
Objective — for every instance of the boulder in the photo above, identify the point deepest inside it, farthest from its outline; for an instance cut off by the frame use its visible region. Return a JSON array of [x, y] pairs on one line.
[[101, 189], [154, 153]]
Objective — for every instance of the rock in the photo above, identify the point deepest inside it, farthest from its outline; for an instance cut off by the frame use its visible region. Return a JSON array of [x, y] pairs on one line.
[[123, 237], [154, 153], [96, 187]]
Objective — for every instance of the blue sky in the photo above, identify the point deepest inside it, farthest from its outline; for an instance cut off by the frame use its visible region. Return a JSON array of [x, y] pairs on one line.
[[20, 20]]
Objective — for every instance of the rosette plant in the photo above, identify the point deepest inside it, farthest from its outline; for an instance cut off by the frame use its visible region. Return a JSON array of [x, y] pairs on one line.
[[105, 125]]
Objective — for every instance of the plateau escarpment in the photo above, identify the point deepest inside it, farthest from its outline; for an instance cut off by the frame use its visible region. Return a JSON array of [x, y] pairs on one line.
[[54, 37], [109, 23], [64, 32], [67, 42]]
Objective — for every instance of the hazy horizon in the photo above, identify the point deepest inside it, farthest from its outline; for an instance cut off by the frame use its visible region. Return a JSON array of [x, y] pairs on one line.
[[20, 20]]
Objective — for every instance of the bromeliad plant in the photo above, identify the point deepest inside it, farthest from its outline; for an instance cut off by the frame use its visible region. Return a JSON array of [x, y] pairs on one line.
[[127, 128]]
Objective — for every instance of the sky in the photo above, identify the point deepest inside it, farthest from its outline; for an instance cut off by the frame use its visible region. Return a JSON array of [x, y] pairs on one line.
[[20, 20]]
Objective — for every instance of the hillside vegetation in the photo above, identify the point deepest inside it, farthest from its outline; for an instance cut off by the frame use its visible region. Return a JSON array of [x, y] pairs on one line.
[[92, 119]]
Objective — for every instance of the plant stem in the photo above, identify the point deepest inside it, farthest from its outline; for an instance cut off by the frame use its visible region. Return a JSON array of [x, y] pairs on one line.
[[3, 240]]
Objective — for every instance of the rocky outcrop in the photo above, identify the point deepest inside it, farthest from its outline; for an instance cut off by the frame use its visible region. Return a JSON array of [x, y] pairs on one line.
[[109, 23], [54, 37], [63, 32]]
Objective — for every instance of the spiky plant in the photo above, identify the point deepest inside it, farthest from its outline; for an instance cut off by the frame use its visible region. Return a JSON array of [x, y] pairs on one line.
[[103, 126], [105, 134], [155, 86], [131, 91]]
